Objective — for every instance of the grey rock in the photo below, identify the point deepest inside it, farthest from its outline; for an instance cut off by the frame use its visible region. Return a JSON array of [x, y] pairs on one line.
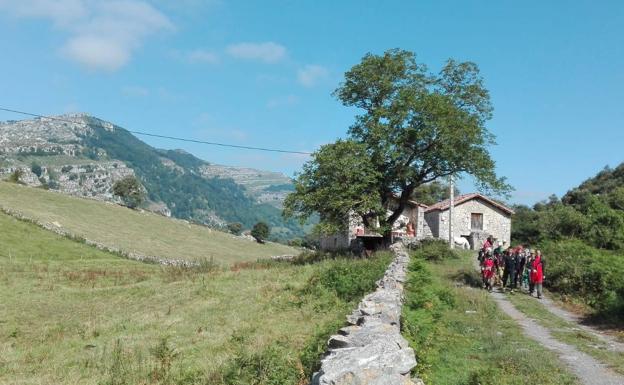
[[371, 350]]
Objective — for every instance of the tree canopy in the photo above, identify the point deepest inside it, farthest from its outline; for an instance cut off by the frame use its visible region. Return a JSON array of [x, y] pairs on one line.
[[260, 231], [415, 127], [130, 190]]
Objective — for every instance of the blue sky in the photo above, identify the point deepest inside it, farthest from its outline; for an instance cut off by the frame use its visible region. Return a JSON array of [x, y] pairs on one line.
[[261, 73]]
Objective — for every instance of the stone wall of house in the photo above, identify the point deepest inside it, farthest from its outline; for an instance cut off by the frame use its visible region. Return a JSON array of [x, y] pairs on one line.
[[496, 222], [433, 223], [371, 350], [338, 241], [422, 226]]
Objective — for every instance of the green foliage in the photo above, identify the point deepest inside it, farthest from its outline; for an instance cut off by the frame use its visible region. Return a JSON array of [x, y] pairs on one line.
[[348, 280], [576, 269], [524, 225], [340, 178], [316, 345], [36, 169], [415, 127], [430, 193], [435, 250], [573, 234], [272, 366], [260, 231], [606, 181], [235, 228], [130, 190], [591, 212]]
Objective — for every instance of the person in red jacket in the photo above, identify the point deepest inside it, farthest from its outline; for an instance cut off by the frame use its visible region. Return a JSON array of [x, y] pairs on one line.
[[489, 242], [487, 272], [537, 273]]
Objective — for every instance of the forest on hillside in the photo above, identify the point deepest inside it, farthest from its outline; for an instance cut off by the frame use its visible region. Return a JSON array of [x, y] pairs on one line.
[[187, 193], [582, 238]]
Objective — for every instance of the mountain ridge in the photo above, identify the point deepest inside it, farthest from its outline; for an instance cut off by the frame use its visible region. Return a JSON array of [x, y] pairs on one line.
[[83, 155]]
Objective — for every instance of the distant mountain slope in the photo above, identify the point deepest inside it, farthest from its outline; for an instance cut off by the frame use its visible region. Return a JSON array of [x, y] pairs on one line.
[[87, 155], [133, 231]]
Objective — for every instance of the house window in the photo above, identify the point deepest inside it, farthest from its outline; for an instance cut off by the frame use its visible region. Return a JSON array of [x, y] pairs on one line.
[[476, 221]]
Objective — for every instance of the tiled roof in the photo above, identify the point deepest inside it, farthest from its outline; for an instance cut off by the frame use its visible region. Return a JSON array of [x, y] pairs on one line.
[[444, 205]]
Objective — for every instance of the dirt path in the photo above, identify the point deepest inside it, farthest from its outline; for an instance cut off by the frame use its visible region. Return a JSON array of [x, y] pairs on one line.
[[610, 342], [589, 370], [586, 368]]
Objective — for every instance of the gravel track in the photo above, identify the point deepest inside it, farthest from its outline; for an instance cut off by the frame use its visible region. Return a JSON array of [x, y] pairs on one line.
[[611, 343], [589, 370]]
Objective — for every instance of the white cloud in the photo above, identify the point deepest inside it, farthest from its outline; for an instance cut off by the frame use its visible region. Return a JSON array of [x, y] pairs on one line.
[[268, 52], [103, 34], [60, 12], [311, 74], [202, 56]]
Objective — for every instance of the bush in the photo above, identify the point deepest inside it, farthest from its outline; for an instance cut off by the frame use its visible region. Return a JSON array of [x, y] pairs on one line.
[[435, 250], [349, 279], [235, 228], [260, 231], [130, 190], [595, 276]]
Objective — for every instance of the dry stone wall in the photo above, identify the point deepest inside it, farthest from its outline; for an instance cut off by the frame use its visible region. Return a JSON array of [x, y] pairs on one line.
[[371, 350]]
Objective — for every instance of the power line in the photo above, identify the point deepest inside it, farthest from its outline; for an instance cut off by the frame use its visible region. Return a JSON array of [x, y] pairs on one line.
[[163, 136]]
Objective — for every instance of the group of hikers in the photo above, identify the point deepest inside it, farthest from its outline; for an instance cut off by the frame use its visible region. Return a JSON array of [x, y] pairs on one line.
[[511, 267]]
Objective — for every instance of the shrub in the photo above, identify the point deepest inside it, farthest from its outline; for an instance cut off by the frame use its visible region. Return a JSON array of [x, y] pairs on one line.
[[235, 228], [260, 231], [349, 279], [595, 276], [130, 190], [435, 250]]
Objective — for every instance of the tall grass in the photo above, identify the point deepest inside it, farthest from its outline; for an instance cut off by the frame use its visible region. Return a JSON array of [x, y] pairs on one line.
[[70, 313], [133, 231]]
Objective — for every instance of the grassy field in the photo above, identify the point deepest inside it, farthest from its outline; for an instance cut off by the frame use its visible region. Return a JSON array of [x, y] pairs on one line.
[[133, 231], [460, 336], [71, 314]]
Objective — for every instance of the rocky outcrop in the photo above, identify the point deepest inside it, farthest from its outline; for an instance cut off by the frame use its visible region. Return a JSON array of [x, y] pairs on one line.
[[371, 350], [263, 186]]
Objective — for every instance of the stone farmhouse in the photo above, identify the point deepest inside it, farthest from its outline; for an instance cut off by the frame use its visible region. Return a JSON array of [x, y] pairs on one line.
[[475, 217]]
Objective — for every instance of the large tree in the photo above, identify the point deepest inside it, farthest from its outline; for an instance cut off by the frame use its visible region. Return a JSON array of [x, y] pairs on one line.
[[414, 128]]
